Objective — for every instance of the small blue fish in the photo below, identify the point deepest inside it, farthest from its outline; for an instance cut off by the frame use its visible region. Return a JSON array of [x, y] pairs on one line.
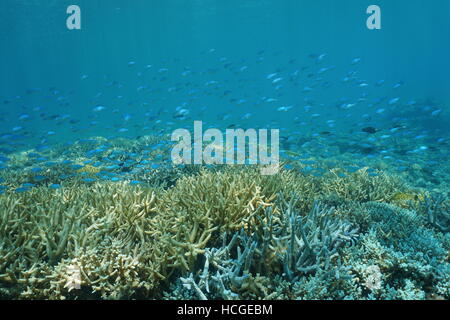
[[436, 112], [28, 185], [21, 190], [393, 101], [98, 108]]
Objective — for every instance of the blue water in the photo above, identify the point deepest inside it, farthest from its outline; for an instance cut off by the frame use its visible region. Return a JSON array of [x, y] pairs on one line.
[[298, 66], [39, 51], [302, 67]]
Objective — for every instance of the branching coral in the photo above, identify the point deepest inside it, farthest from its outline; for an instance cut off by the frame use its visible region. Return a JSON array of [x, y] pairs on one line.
[[314, 240], [311, 246], [404, 250], [43, 228], [437, 209], [362, 187], [226, 232]]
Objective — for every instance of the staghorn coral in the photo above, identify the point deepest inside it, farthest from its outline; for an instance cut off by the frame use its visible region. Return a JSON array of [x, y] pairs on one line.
[[361, 187], [200, 205], [41, 229], [314, 240], [114, 269], [225, 232], [311, 248], [230, 200], [437, 210]]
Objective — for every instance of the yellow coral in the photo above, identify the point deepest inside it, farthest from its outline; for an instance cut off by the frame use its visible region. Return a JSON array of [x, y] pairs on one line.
[[407, 200], [89, 169], [402, 196]]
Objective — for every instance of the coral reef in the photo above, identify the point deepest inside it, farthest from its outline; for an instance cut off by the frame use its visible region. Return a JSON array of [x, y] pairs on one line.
[[226, 232], [286, 247]]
